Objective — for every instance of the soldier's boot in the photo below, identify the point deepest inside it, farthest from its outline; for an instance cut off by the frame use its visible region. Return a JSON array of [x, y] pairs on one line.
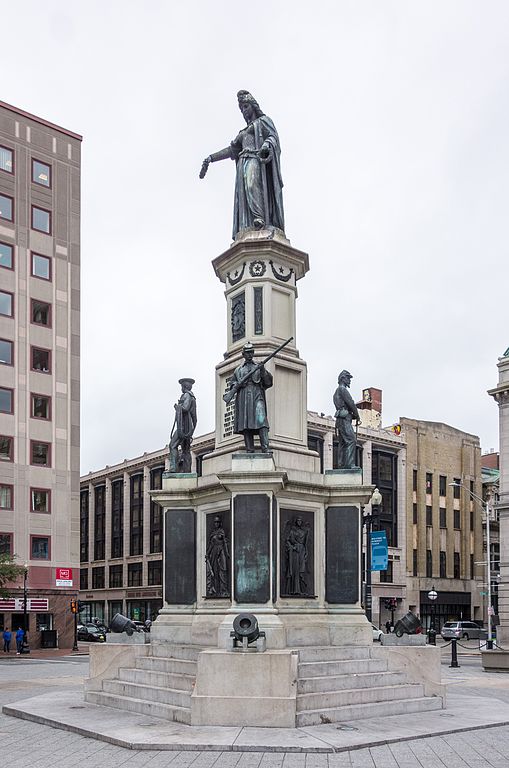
[[264, 439], [249, 441]]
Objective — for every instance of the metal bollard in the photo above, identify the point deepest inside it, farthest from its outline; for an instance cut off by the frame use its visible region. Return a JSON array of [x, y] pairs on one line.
[[454, 653]]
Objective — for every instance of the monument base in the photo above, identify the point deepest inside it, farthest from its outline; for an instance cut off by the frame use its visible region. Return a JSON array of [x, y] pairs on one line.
[[245, 689]]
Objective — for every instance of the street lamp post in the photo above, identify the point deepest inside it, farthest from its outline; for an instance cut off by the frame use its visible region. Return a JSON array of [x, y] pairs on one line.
[[486, 507], [368, 520], [432, 635], [25, 600]]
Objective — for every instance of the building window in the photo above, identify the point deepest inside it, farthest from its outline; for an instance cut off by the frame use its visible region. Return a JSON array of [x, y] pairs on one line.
[[472, 487], [40, 547], [6, 256], [6, 208], [98, 577], [429, 564], [386, 576], [155, 572], [471, 566], [84, 527], [83, 578], [99, 522], [41, 266], [429, 482], [443, 565], [443, 517], [442, 485], [472, 520], [40, 454], [134, 574], [6, 400], [414, 480], [41, 500], [156, 513], [6, 160], [41, 220], [414, 513], [457, 520], [41, 173], [41, 406], [6, 448], [384, 476], [6, 352], [6, 496], [457, 488], [116, 576], [41, 313], [117, 518], [429, 515], [136, 515], [414, 562], [456, 565], [41, 359], [6, 304], [5, 543]]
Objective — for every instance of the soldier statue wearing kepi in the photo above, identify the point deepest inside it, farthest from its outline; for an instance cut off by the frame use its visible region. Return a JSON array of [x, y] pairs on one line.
[[249, 383], [258, 183], [346, 411], [183, 427]]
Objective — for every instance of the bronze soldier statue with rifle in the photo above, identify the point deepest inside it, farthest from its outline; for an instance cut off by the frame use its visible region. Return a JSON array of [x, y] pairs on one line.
[[248, 385], [183, 428], [346, 411]]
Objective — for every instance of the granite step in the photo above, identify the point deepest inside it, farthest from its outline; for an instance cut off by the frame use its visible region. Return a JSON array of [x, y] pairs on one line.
[[148, 693], [346, 667], [342, 682], [170, 651], [331, 699], [141, 706], [161, 664], [156, 678], [334, 653], [363, 711]]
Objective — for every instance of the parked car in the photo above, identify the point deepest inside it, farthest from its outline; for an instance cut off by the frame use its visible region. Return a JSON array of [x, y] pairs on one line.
[[465, 630], [377, 633], [90, 633]]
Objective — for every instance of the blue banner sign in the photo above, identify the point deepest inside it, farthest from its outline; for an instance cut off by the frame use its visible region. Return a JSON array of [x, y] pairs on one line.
[[379, 551]]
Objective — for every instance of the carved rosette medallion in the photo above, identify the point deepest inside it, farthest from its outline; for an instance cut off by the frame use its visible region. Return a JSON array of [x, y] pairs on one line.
[[257, 268]]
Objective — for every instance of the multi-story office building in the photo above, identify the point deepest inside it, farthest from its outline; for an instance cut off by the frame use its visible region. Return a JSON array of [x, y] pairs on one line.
[[39, 369], [444, 522]]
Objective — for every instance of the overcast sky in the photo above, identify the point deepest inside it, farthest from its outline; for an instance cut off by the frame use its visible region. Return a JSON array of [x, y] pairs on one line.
[[394, 124]]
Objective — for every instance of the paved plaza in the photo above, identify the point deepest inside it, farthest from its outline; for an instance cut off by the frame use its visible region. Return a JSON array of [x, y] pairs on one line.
[[31, 744]]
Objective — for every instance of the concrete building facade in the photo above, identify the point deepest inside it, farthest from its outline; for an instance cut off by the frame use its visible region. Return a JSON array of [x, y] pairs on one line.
[[40, 369]]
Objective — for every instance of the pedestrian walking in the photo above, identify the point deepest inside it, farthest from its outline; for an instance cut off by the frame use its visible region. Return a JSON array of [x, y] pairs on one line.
[[7, 635], [388, 626], [20, 636]]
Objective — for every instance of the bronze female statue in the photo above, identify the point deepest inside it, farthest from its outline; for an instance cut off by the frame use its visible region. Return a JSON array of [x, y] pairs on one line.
[[258, 184], [217, 559]]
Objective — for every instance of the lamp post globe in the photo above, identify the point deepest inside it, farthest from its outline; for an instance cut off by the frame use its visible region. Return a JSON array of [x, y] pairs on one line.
[[432, 635]]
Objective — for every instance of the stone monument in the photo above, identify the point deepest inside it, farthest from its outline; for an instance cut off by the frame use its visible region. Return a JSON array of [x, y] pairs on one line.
[[261, 531]]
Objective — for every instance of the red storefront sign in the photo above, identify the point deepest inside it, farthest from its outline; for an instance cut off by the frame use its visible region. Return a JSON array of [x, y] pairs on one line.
[[63, 577]]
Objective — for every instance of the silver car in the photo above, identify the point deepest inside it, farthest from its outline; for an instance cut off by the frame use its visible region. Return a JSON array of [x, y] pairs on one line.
[[465, 630]]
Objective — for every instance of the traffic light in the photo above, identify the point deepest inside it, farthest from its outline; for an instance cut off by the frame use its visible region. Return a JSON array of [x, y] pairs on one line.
[[80, 606], [74, 606]]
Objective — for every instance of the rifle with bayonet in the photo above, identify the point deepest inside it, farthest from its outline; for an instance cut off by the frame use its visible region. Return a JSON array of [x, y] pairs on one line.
[[230, 393]]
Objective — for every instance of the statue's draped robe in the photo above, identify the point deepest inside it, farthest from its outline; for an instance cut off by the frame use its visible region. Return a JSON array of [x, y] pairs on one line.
[[258, 186], [250, 403], [186, 416]]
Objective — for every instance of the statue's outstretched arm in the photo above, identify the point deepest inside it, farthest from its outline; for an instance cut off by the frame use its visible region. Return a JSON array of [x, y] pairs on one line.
[[223, 154]]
